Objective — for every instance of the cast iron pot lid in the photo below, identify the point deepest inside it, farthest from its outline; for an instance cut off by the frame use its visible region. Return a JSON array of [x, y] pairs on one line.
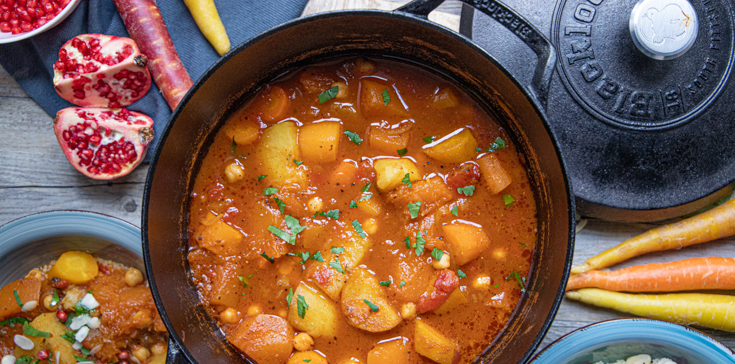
[[643, 102]]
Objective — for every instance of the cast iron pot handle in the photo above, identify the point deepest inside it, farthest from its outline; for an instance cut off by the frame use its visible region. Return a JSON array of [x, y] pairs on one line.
[[174, 355], [515, 23]]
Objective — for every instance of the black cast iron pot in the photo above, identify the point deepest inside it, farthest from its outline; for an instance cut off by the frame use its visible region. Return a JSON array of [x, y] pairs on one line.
[[406, 34]]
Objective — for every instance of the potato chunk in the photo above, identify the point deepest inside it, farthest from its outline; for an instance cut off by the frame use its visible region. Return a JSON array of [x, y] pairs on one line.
[[29, 289], [327, 277], [465, 241], [47, 322], [319, 142], [456, 299], [226, 287], [432, 193], [373, 104], [276, 151], [389, 138], [321, 317], [244, 132], [221, 239], [361, 287], [265, 338], [391, 171], [432, 344], [311, 357], [393, 352], [459, 146], [495, 176]]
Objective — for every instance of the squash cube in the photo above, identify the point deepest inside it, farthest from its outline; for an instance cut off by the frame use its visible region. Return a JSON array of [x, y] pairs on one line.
[[495, 176], [319, 142], [456, 299], [245, 132], [327, 277], [265, 338], [465, 241], [459, 146], [446, 98], [344, 174], [221, 239], [391, 171], [432, 344], [373, 105], [361, 288], [432, 193], [389, 139], [321, 317], [226, 286], [275, 153], [370, 206], [393, 352]]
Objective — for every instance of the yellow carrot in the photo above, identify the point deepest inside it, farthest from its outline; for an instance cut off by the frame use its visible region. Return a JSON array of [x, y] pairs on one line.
[[707, 226], [205, 15], [708, 310]]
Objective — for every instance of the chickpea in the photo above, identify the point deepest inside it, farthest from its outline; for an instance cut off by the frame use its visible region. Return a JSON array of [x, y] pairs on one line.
[[133, 277], [341, 91], [141, 353], [315, 204], [442, 263], [254, 310], [142, 318], [285, 267], [499, 253], [229, 316], [47, 303], [303, 342], [159, 349], [408, 311], [370, 226], [482, 282], [234, 173]]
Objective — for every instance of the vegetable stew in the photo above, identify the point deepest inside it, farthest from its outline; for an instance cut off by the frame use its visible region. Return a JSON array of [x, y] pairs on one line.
[[361, 211]]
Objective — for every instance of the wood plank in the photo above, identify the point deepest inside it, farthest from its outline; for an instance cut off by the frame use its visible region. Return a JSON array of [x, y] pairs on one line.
[[8, 87]]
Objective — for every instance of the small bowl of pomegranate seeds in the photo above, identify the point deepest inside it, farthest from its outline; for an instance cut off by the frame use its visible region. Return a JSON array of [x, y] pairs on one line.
[[22, 19]]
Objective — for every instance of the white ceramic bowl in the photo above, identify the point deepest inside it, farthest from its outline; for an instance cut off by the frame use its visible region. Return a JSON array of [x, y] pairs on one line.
[[613, 340], [10, 38], [34, 240]]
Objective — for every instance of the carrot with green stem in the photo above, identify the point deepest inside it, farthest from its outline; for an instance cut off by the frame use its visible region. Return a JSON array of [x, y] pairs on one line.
[[207, 18], [683, 275], [707, 226], [708, 310]]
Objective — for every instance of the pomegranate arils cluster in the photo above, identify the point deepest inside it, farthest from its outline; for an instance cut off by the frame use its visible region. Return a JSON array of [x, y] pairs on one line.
[[101, 71], [21, 16]]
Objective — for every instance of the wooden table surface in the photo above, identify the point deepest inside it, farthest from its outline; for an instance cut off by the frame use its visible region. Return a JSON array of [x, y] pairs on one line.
[[35, 176]]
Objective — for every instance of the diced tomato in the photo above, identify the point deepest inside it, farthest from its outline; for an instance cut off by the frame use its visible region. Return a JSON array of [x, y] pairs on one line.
[[465, 175], [445, 283]]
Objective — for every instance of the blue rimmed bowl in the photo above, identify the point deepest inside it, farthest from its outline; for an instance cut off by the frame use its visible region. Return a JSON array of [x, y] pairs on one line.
[[613, 340], [32, 241]]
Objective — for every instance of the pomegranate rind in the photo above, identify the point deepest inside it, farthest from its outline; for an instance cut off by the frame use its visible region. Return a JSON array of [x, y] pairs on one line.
[[113, 143], [112, 73]]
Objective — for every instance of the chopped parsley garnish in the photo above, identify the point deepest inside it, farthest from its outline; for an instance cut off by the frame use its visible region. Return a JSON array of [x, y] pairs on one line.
[[244, 280], [25, 360], [358, 228], [467, 191], [337, 250], [372, 306], [366, 196], [293, 224], [496, 285], [289, 296], [307, 360], [386, 97], [260, 178], [407, 180], [354, 137], [437, 254], [270, 191], [317, 256], [455, 210], [420, 242], [304, 257], [85, 351], [508, 200], [32, 331], [14, 320], [264, 255], [385, 283], [328, 95], [521, 280], [337, 266], [523, 245], [429, 139], [478, 149], [334, 214], [366, 187], [17, 298], [461, 274], [298, 163], [403, 283], [282, 235], [301, 306], [353, 204], [499, 143], [402, 152], [69, 336], [281, 204], [233, 147], [80, 359], [413, 209], [408, 242]]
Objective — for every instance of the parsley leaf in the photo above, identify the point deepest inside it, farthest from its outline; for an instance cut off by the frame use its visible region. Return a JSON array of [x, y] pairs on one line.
[[281, 204], [508, 200], [455, 210], [233, 147], [337, 250], [270, 191], [260, 178], [467, 191], [366, 187], [244, 280], [366, 196], [307, 360], [521, 280], [289, 296], [523, 245], [293, 224], [354, 137], [32, 331], [317, 256], [264, 255], [17, 298], [298, 163], [385, 283], [24, 360], [353, 204], [403, 283], [386, 97], [402, 152], [413, 209], [429, 139], [69, 336], [14, 320], [358, 228], [301, 305], [407, 180], [461, 274], [337, 266], [499, 143], [408, 242], [326, 96], [334, 214], [55, 299], [437, 254], [420, 242], [372, 306], [80, 359], [282, 235]]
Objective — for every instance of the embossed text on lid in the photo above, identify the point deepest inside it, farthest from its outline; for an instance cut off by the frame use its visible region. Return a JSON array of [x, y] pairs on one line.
[[663, 29]]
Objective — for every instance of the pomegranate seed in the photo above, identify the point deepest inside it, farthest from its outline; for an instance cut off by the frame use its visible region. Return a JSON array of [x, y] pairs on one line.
[[41, 22], [49, 7], [103, 269], [31, 3], [40, 11], [27, 27], [23, 15], [114, 105], [19, 9], [59, 283], [6, 16], [5, 27], [62, 315], [16, 30], [31, 12], [14, 23], [43, 355]]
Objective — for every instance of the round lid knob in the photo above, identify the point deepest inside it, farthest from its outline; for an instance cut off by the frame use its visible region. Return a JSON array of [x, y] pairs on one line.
[[663, 29]]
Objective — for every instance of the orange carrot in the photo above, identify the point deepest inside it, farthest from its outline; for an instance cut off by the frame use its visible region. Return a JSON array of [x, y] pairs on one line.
[[683, 275], [707, 226]]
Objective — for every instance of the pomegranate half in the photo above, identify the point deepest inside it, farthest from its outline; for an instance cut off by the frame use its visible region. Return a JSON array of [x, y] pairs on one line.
[[96, 70], [101, 143]]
